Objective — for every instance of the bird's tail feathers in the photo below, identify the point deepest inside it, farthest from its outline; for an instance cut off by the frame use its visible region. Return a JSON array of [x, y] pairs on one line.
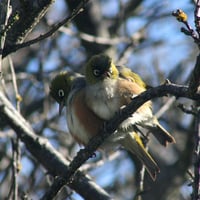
[[161, 134], [133, 143]]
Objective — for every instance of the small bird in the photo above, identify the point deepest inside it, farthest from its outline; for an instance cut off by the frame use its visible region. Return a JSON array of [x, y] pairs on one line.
[[62, 84], [69, 90], [107, 91]]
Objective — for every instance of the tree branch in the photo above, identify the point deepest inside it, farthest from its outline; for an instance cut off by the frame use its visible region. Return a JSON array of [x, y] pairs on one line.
[[15, 47], [195, 78], [29, 138], [38, 149], [25, 15], [112, 125], [5, 13], [196, 156], [42, 150]]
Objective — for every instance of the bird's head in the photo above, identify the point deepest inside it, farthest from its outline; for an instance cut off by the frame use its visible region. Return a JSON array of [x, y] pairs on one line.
[[60, 87], [100, 67]]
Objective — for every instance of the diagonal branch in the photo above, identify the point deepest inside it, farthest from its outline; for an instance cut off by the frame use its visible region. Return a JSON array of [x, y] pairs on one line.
[[112, 125], [43, 151], [39, 148]]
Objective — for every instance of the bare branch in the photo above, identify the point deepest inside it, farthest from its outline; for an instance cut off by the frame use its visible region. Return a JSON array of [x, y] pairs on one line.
[[196, 183], [45, 154], [40, 147], [181, 16], [197, 17], [195, 78], [5, 13], [96, 39], [49, 33], [15, 142], [112, 125], [192, 111]]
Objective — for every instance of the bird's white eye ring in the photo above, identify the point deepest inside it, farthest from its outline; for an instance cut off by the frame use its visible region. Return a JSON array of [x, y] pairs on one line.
[[96, 72], [61, 93]]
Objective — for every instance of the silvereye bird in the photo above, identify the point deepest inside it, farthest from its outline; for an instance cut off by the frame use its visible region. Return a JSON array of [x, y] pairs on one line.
[[107, 93], [83, 123], [62, 84]]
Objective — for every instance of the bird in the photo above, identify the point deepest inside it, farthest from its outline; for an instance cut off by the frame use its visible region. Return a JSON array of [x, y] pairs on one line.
[[108, 90], [69, 89], [62, 84]]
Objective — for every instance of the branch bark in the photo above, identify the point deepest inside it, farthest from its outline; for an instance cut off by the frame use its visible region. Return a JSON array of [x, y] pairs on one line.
[[196, 182], [5, 13], [20, 45], [45, 154], [195, 78], [112, 125], [29, 14]]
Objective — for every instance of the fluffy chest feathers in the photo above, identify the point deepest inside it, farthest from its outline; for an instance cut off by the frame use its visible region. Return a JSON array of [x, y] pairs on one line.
[[108, 97], [82, 122], [102, 98]]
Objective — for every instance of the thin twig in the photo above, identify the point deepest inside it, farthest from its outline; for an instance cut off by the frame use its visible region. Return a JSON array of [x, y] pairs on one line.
[[16, 141], [15, 145], [13, 191], [95, 39], [101, 162], [4, 16], [165, 107], [197, 17], [141, 186], [190, 174], [14, 81], [181, 16], [191, 111]]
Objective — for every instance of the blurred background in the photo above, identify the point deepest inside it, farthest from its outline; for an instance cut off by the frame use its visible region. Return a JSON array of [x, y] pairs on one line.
[[141, 34]]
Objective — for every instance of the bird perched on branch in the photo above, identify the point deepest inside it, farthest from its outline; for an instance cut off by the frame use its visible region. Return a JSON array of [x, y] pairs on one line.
[[106, 93], [72, 90]]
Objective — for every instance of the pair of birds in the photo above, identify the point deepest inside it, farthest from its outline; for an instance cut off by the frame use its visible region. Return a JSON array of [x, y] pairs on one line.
[[97, 97]]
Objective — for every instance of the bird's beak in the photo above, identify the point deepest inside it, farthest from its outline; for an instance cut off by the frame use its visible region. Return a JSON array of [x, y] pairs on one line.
[[107, 74], [61, 106]]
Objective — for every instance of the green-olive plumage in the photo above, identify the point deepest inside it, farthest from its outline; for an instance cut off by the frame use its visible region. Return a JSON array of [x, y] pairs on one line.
[[62, 84], [109, 90], [97, 97], [126, 73], [98, 67], [60, 87]]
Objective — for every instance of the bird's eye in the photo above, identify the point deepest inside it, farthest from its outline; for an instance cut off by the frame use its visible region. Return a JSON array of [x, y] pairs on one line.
[[96, 72], [61, 93]]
